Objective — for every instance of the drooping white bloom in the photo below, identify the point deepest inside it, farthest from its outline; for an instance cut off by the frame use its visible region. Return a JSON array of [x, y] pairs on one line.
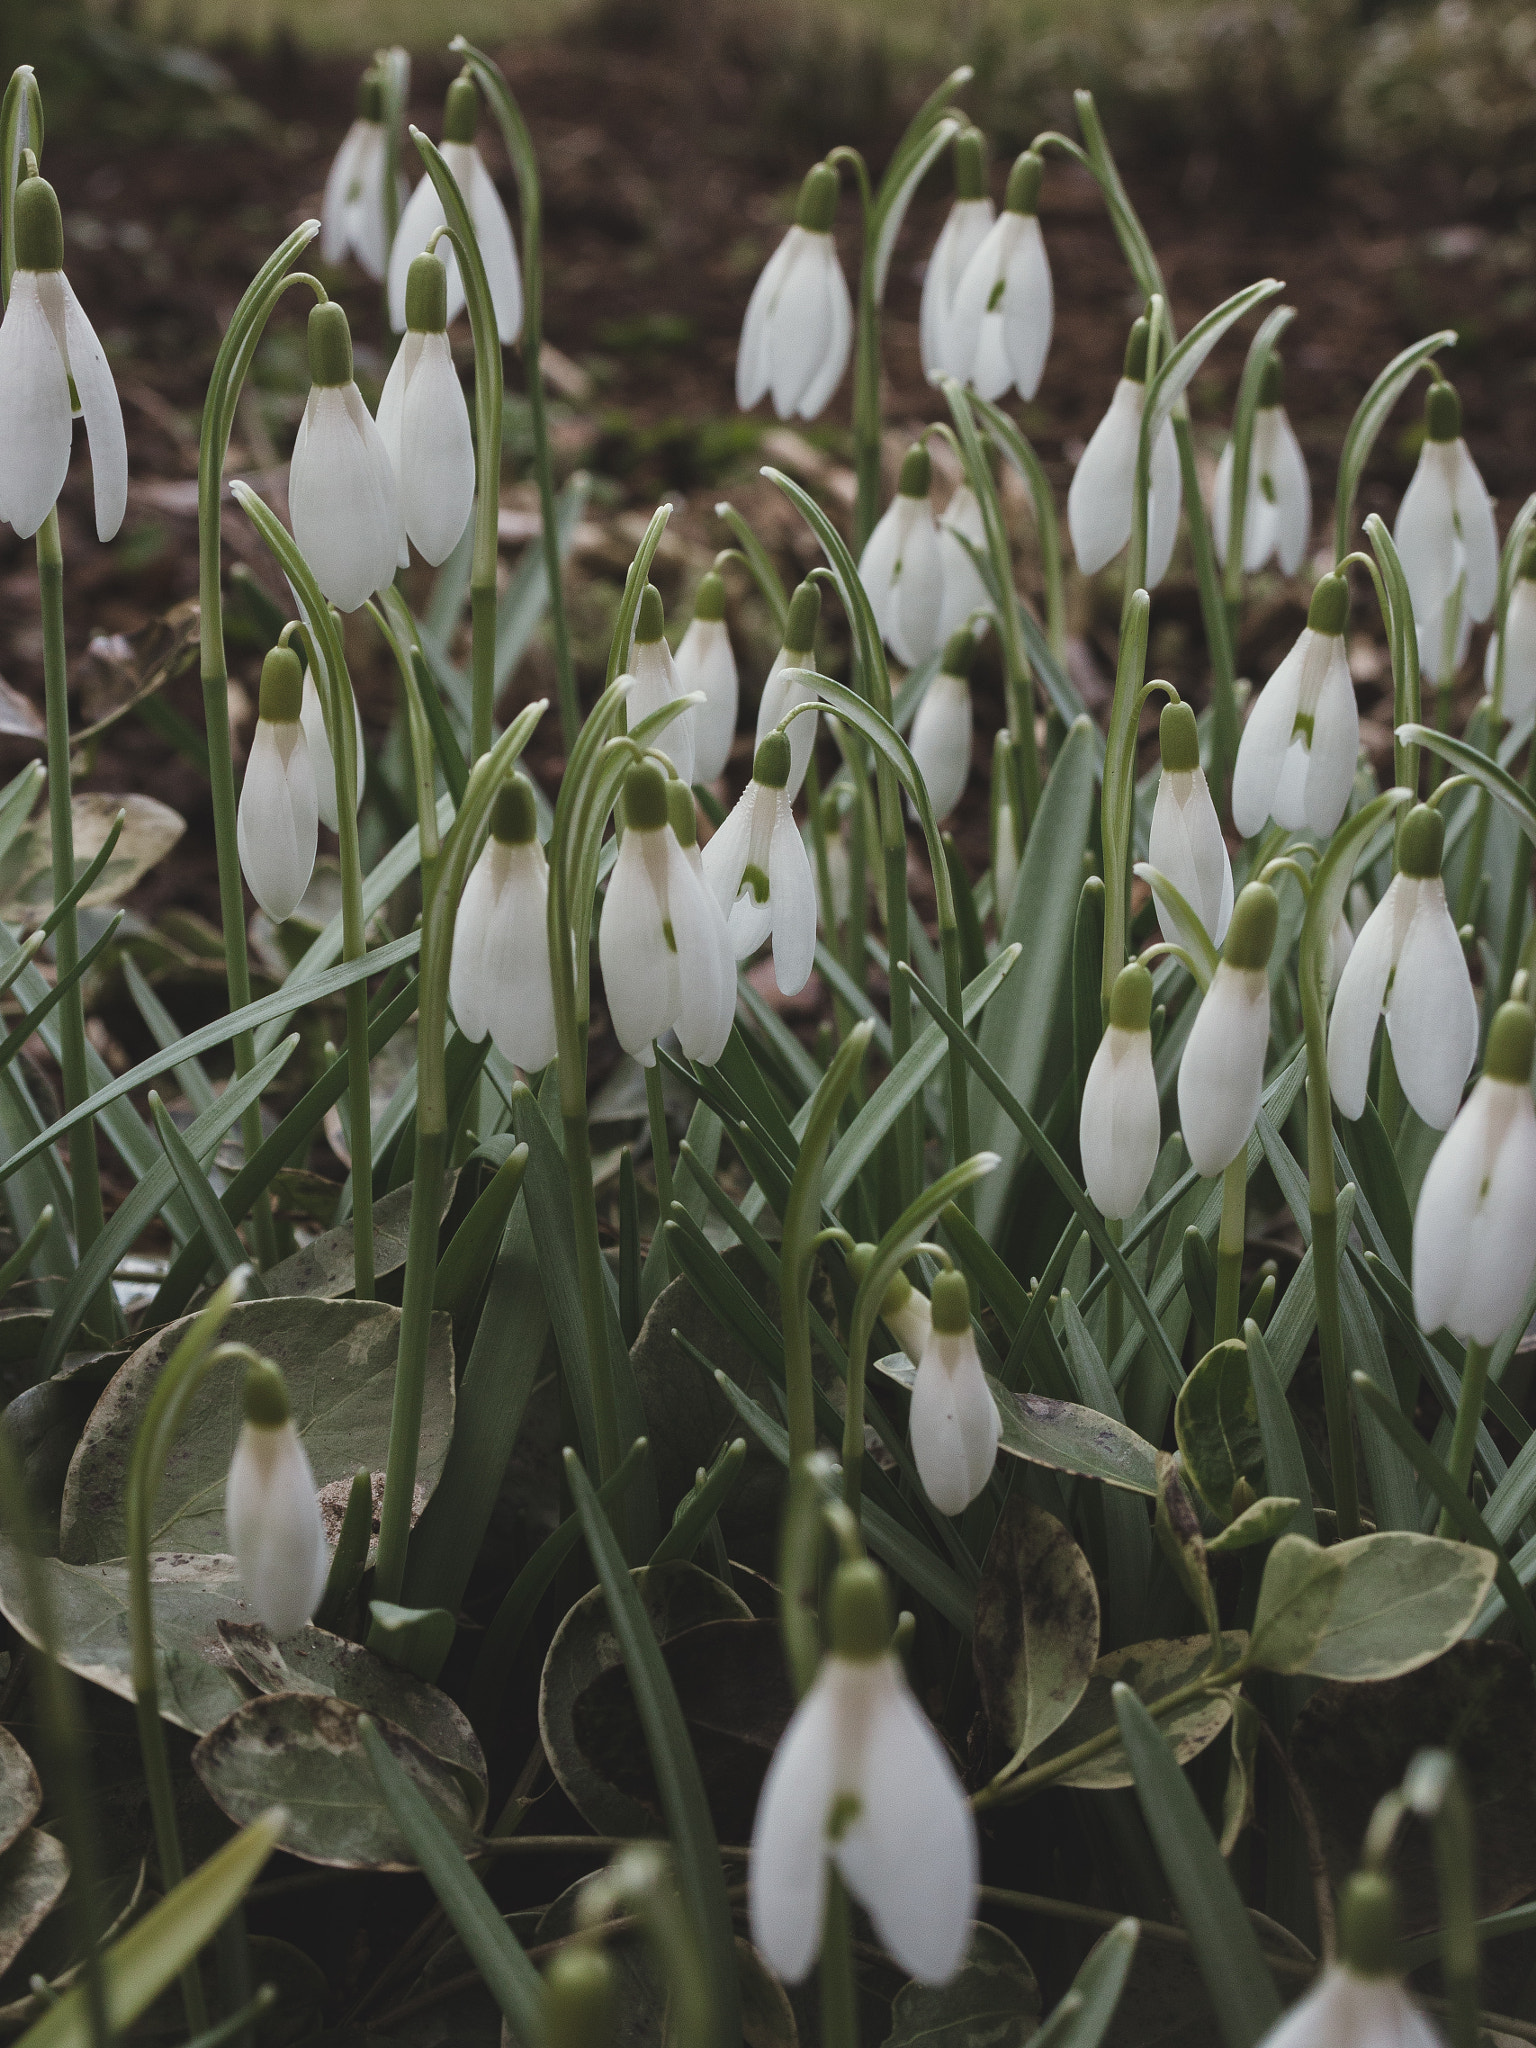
[[1341, 943], [1474, 1232], [352, 221], [860, 1779], [499, 976], [1519, 643], [999, 329], [321, 762], [277, 828], [941, 731], [1360, 2000], [798, 330], [908, 1315], [424, 421], [343, 501], [704, 662], [781, 696], [1221, 1075], [424, 214], [1005, 833], [900, 568], [954, 1421], [965, 227], [47, 343], [271, 1509], [663, 958], [1296, 758], [758, 868], [1120, 1125], [1185, 841], [1277, 518], [1446, 536], [965, 593], [1101, 499], [1407, 961], [656, 684]]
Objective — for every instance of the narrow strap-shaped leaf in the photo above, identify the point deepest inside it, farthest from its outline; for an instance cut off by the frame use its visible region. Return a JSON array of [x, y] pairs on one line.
[[1285, 1464], [166, 1033], [17, 1037], [1496, 780], [761, 564], [1082, 2017], [1178, 371], [228, 1251], [698, 1508]]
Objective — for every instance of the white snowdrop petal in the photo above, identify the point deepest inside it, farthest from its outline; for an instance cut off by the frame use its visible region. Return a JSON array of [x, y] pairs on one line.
[[102, 411], [705, 661], [801, 323], [1099, 499], [780, 697], [707, 999], [436, 464], [493, 235], [34, 392], [974, 289], [1265, 742], [1357, 1005], [468, 987], [273, 1518], [965, 593], [1519, 652], [754, 359], [1221, 504], [787, 1871], [1028, 307], [725, 857], [656, 685], [367, 231], [639, 969], [343, 508], [392, 397], [1186, 845], [953, 1422], [919, 587], [1221, 1075], [1119, 1130], [911, 1324], [792, 900], [1293, 496], [964, 230], [520, 996], [941, 741], [1164, 502], [1425, 533], [1479, 535], [1442, 1222], [1335, 746], [322, 765], [277, 825], [825, 379], [1432, 1012], [1502, 1242], [344, 174], [422, 212], [878, 567]]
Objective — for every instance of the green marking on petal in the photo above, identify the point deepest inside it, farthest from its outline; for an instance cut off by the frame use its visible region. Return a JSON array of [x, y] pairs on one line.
[[846, 1808], [753, 878]]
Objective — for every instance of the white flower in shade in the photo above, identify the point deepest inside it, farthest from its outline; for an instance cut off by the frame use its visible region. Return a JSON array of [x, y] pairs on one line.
[[781, 695], [322, 764], [657, 684], [1359, 2001], [1102, 495], [663, 958], [798, 331], [271, 1509], [47, 344], [424, 421], [487, 216], [278, 825], [1005, 833], [352, 221], [760, 873], [954, 1421], [1185, 842], [965, 593], [1341, 943], [1446, 535], [1121, 1125], [861, 1780], [704, 662], [343, 501], [941, 731], [1221, 1075], [1474, 1232], [908, 1315], [499, 976], [900, 568], [1407, 961], [999, 330], [1518, 640], [1277, 519], [965, 228], [1296, 758]]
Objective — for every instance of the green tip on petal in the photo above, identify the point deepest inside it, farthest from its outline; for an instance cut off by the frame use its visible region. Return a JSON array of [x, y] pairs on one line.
[[1368, 1924], [682, 813], [282, 687], [1329, 610], [951, 1301], [916, 472], [578, 1998], [645, 798], [970, 164], [1442, 412], [264, 1396], [39, 226], [804, 614], [1511, 1044], [330, 345], [860, 1611], [1138, 342], [426, 294], [1272, 383], [651, 622], [1178, 739], [1130, 1000], [770, 765], [709, 600], [370, 96], [514, 815], [816, 207], [1251, 934], [959, 653], [461, 110], [1421, 843], [1023, 193]]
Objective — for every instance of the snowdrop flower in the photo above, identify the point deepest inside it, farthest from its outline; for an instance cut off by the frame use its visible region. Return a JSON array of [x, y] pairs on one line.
[[860, 1779], [1103, 490], [780, 696], [278, 825], [424, 421], [1474, 1233], [1296, 759], [999, 330], [1120, 1126], [1359, 2001], [904, 1309], [954, 1420], [941, 731], [758, 868], [656, 683], [900, 568], [352, 219], [798, 331], [322, 764], [704, 662], [1277, 520], [1185, 843], [342, 498], [964, 230], [1446, 536], [271, 1509], [1221, 1076], [1518, 638], [1408, 961], [965, 593], [499, 975], [1006, 834], [1341, 943], [46, 346], [683, 817], [487, 216], [659, 942]]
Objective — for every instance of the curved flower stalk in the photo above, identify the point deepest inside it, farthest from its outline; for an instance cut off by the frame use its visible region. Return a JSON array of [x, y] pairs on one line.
[[782, 696], [656, 683], [757, 866], [272, 1510], [1277, 520], [424, 421], [1296, 759], [954, 1420], [901, 569], [499, 976], [1006, 835], [424, 214], [861, 1781], [904, 1309], [1446, 539], [321, 760], [962, 526], [999, 330], [1221, 1076], [1408, 963], [941, 731], [353, 212], [1186, 842], [705, 662], [279, 812], [798, 331], [1120, 1125], [1100, 502], [343, 502], [1517, 640], [51, 366], [1361, 1997], [965, 228]]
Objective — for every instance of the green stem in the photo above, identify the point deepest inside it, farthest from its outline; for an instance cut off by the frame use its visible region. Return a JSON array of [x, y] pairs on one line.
[[1213, 609], [1229, 1246], [839, 1992], [1322, 1200], [866, 380], [1389, 1091], [661, 1149], [589, 1262], [1519, 894], [1114, 1301], [1469, 1415], [415, 1329], [482, 620]]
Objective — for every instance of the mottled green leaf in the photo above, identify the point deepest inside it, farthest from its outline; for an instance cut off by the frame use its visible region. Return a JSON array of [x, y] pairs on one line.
[[992, 2001], [1037, 1627]]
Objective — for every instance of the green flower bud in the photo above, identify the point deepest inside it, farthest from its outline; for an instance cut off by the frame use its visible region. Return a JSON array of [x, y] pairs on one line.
[[959, 653], [1130, 1000], [1442, 412], [1329, 610], [1421, 843], [514, 818], [578, 1998], [1138, 342], [970, 164], [804, 613], [282, 687], [816, 207], [461, 110], [709, 599], [426, 294], [39, 226], [264, 1396], [645, 797], [1178, 739], [330, 345], [1251, 934], [916, 472], [860, 1611], [1023, 193], [770, 766], [951, 1302], [1368, 1924], [650, 625], [1511, 1044]]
